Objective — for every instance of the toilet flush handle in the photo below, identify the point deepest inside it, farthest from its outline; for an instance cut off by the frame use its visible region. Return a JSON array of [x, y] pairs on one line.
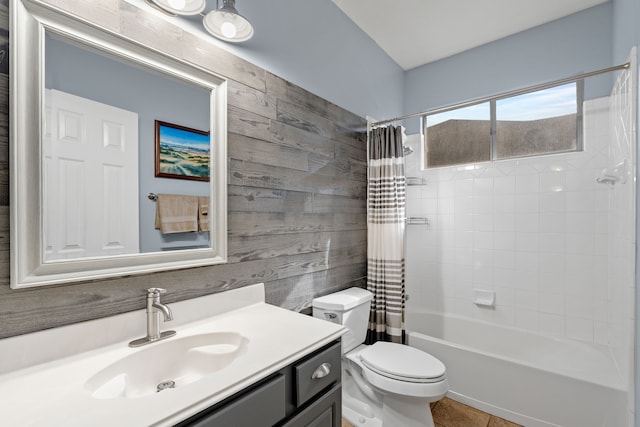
[[321, 371], [331, 317]]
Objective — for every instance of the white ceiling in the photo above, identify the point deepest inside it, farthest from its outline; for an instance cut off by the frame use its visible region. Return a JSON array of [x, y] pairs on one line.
[[416, 32]]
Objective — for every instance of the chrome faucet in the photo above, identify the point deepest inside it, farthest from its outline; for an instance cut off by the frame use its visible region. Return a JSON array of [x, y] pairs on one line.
[[154, 308]]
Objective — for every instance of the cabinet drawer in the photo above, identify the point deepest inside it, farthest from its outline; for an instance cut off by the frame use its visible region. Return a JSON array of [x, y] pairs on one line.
[[260, 407], [317, 373]]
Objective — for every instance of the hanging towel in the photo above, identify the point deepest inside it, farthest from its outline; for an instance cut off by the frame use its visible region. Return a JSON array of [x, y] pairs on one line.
[[176, 213], [203, 213]]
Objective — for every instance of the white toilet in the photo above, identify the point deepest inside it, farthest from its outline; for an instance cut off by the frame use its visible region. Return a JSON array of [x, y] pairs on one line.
[[384, 384]]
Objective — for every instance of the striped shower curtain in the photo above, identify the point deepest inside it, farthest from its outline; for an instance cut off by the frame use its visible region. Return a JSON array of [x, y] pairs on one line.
[[385, 235]]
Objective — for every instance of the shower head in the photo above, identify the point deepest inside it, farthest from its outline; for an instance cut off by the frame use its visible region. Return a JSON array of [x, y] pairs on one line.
[[406, 150]]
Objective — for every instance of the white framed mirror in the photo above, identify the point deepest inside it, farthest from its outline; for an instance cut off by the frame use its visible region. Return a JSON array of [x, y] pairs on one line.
[[102, 130]]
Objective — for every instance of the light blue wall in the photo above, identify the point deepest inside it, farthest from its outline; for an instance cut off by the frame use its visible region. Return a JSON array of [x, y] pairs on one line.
[[626, 28], [313, 44], [578, 43], [154, 97]]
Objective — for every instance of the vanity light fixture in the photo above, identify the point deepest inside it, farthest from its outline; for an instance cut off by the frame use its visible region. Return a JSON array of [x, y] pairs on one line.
[[224, 22], [179, 7], [227, 24]]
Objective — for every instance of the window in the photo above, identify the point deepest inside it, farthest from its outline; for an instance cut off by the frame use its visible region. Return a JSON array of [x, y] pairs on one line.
[[527, 124], [459, 136]]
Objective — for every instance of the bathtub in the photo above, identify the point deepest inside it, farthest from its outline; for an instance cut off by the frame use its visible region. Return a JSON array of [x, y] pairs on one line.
[[530, 379]]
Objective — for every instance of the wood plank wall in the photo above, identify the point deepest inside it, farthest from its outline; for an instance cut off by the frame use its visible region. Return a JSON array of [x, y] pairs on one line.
[[297, 181]]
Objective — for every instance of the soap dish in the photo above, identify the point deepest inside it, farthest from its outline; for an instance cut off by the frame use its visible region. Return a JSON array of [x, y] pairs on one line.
[[484, 297]]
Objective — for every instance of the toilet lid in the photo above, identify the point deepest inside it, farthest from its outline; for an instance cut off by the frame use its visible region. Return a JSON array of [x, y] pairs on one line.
[[402, 363]]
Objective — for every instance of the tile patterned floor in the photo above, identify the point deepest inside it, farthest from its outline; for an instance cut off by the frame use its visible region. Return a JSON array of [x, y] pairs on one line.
[[449, 413]]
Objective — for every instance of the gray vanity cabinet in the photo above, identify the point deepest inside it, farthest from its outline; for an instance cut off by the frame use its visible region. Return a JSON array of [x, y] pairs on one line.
[[325, 411], [307, 393]]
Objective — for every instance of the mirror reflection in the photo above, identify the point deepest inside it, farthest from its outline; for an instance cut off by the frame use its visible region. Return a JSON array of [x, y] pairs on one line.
[[126, 151], [98, 124]]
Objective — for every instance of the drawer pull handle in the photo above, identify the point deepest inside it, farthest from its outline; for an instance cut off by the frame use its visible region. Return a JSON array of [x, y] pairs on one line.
[[322, 371]]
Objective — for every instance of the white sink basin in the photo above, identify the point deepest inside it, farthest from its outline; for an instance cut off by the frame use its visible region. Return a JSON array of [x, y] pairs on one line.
[[167, 364]]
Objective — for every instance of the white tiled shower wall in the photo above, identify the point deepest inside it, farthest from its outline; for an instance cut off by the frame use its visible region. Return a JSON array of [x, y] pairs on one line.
[[622, 232], [534, 230]]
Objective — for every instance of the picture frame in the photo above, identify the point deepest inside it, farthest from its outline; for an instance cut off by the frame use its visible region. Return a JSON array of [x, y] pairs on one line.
[[182, 152]]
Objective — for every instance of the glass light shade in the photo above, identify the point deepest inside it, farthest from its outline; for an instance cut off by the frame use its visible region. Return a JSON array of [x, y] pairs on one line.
[[227, 25], [181, 7]]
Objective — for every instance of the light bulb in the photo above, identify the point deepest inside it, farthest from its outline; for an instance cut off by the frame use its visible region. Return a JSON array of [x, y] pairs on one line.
[[227, 25], [178, 4], [228, 29]]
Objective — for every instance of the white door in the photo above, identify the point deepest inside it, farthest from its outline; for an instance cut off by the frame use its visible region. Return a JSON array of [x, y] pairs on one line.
[[90, 169]]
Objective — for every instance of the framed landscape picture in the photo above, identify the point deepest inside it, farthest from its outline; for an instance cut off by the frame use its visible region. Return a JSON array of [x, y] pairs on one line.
[[182, 152]]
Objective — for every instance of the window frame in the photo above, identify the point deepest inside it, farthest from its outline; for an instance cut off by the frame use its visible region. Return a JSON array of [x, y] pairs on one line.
[[579, 87]]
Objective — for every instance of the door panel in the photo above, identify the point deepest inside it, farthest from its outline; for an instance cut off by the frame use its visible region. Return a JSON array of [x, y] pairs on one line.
[[91, 169]]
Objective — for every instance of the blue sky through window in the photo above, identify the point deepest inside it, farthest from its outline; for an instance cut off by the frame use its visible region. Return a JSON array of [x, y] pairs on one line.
[[552, 102], [475, 112]]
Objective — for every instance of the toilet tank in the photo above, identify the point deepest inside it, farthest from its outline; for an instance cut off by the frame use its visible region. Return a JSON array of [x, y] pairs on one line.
[[350, 308]]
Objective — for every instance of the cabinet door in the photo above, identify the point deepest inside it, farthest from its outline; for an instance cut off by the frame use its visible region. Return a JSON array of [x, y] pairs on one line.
[[324, 412]]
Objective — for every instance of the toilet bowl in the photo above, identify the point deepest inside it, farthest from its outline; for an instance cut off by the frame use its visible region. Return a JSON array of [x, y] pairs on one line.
[[384, 384]]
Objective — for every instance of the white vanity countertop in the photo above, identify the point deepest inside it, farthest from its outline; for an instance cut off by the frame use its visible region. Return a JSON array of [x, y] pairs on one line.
[[44, 373]]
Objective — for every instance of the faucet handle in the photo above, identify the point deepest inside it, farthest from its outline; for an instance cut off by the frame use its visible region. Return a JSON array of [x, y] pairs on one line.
[[156, 291]]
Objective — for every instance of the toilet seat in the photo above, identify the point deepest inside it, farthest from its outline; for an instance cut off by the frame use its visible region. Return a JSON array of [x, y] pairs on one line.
[[402, 363], [404, 384]]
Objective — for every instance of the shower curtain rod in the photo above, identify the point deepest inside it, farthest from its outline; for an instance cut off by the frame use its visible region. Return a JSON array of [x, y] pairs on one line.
[[541, 86]]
